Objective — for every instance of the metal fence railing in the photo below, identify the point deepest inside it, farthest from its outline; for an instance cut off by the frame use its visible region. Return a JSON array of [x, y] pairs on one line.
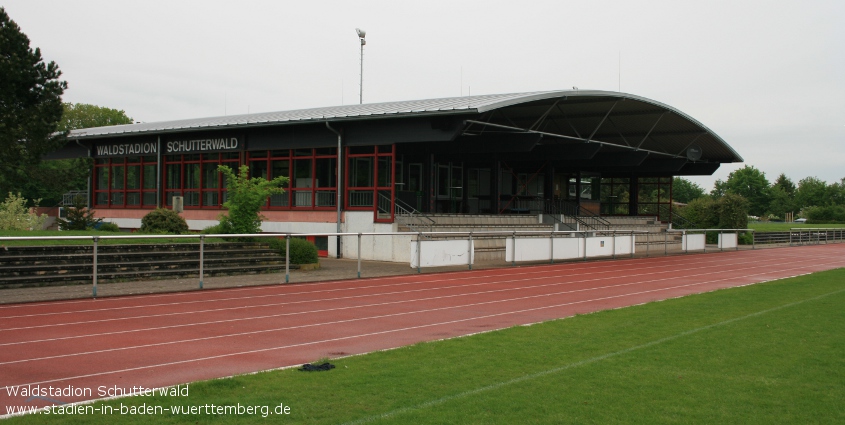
[[805, 236], [642, 242]]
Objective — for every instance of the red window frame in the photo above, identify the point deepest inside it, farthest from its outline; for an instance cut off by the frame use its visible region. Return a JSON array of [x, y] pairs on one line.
[[120, 196], [198, 196], [310, 196], [378, 152]]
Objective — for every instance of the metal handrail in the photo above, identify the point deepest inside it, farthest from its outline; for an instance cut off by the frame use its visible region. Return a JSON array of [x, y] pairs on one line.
[[584, 217], [681, 222], [402, 209]]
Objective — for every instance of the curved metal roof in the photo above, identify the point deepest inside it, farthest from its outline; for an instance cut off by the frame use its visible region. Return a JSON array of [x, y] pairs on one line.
[[614, 119]]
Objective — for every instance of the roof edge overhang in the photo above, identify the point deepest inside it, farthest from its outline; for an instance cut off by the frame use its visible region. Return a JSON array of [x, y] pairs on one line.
[[468, 105]]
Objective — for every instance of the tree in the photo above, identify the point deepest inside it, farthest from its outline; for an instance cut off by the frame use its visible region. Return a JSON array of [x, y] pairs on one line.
[[83, 115], [684, 191], [811, 192], [785, 184], [837, 192], [751, 184], [719, 189], [781, 197], [733, 212], [49, 180], [30, 105], [245, 198], [79, 216], [780, 202]]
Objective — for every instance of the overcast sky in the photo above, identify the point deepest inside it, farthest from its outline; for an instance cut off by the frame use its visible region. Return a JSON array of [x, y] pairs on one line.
[[767, 76]]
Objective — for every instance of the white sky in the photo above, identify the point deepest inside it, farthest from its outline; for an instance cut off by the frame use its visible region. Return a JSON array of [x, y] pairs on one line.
[[767, 76]]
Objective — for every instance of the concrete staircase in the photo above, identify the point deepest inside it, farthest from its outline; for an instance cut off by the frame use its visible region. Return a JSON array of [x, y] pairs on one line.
[[72, 264], [493, 248], [486, 248]]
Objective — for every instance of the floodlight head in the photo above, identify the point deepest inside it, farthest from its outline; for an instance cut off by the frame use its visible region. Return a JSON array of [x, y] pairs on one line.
[[361, 33]]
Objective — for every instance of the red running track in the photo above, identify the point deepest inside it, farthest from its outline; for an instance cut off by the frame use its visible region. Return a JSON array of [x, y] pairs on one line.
[[160, 340]]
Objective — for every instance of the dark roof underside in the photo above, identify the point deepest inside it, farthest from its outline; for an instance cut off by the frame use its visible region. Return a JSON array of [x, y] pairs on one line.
[[618, 122]]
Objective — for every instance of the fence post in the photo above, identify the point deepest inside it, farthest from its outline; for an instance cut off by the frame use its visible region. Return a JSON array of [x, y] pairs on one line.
[[753, 240], [359, 255], [552, 247], [634, 243], [202, 252], [513, 249], [469, 251], [94, 274], [585, 245], [613, 243], [287, 258], [666, 242], [419, 248]]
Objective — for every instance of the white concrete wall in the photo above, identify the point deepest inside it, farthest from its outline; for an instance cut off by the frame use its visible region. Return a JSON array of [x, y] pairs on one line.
[[379, 248], [606, 246], [728, 240], [539, 249], [693, 242], [442, 253], [126, 223]]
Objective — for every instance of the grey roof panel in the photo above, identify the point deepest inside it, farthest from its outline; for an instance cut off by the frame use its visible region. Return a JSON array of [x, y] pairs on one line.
[[580, 101]]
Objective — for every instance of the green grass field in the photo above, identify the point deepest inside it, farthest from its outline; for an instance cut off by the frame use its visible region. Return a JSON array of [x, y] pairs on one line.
[[783, 227], [766, 353]]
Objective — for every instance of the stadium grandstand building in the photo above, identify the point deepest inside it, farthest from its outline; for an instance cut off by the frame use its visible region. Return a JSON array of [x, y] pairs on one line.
[[554, 155]]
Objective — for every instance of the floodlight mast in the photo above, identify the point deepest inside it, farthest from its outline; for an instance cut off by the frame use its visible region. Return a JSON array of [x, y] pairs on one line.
[[361, 35]]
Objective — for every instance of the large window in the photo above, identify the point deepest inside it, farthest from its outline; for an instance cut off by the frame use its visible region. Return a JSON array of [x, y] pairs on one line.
[[128, 182], [653, 197], [312, 175], [195, 177], [370, 176]]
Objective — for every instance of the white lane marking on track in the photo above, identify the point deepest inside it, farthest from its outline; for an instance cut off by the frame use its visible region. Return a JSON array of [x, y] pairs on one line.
[[473, 277], [664, 261], [346, 337], [621, 261], [406, 313], [351, 297]]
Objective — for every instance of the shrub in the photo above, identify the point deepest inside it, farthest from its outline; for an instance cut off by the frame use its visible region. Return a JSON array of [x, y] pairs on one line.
[[163, 221], [827, 214], [301, 251], [14, 215], [701, 211], [246, 196], [108, 227], [733, 212], [79, 216], [217, 229]]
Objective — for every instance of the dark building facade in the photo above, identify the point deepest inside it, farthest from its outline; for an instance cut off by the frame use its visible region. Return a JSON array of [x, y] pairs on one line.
[[353, 168]]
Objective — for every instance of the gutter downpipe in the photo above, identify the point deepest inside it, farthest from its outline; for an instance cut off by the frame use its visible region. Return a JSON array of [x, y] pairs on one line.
[[339, 183], [158, 174]]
